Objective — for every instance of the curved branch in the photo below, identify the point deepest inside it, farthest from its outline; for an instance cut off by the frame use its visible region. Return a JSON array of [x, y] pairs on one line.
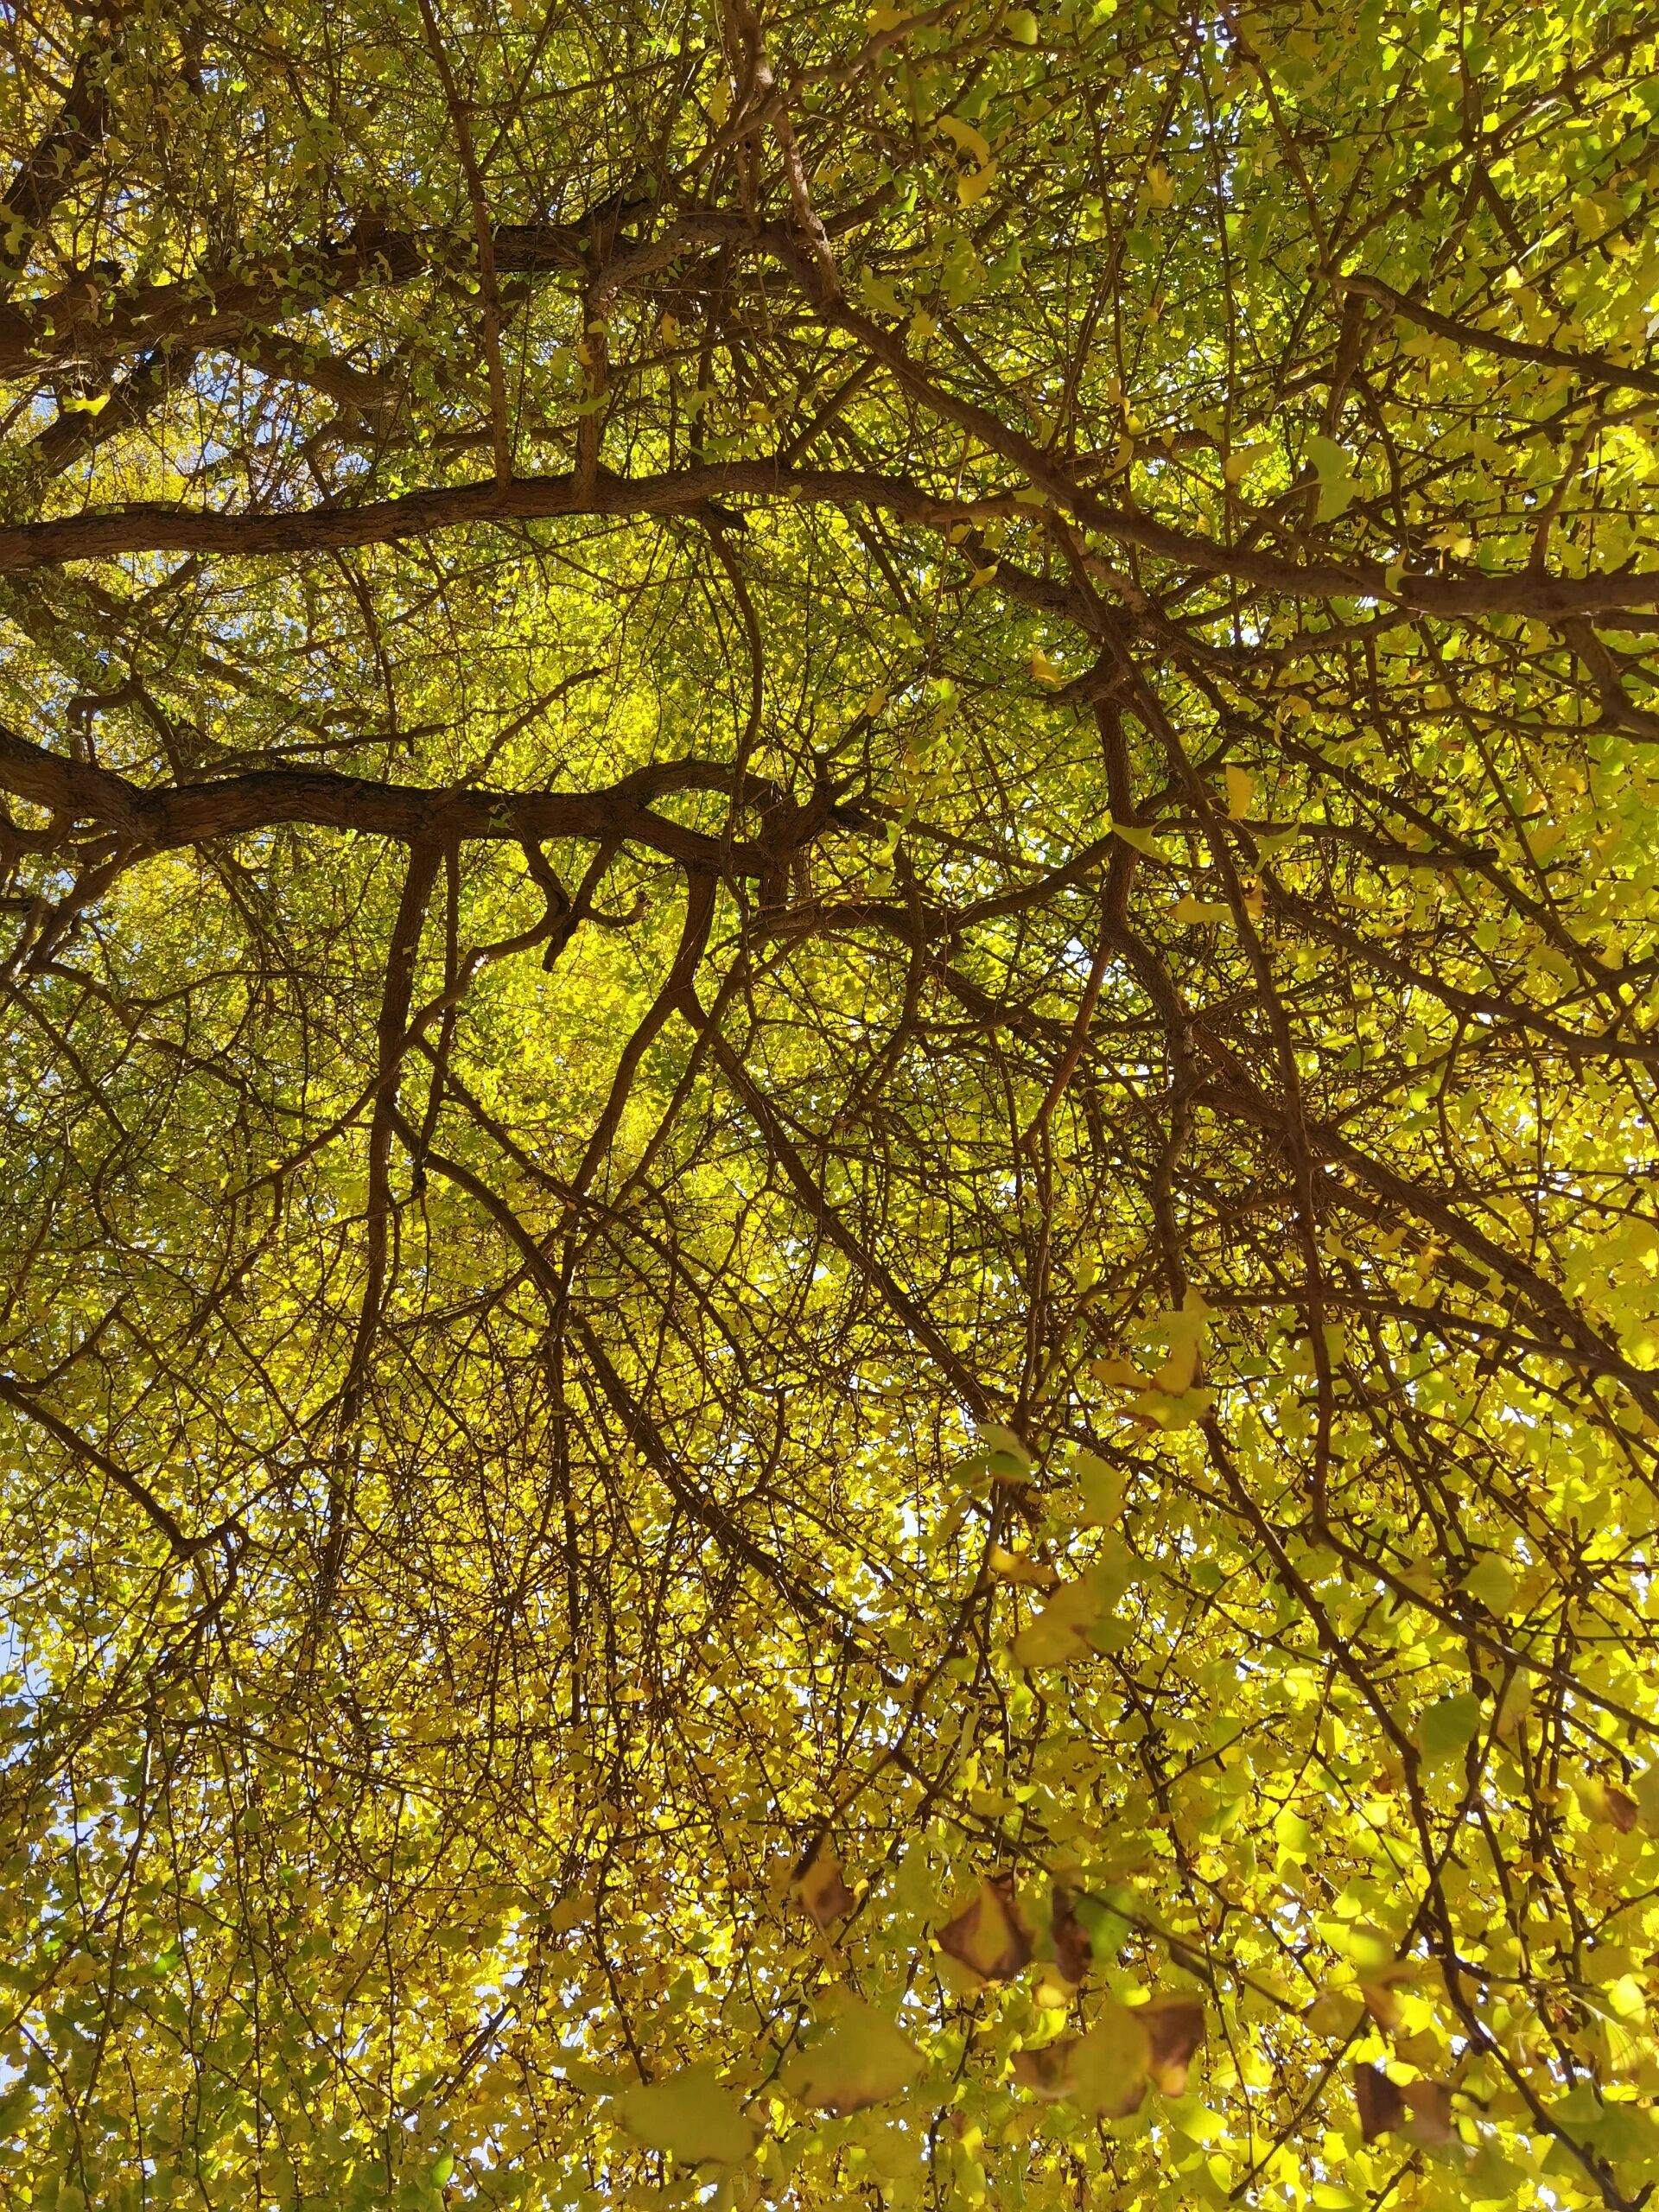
[[1469, 335], [19, 1398]]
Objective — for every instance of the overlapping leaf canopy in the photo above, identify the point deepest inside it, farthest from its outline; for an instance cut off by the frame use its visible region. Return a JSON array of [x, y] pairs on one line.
[[830, 1312]]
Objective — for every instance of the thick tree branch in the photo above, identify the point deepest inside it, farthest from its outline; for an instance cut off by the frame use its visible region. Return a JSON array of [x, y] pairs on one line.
[[156, 529], [230, 806]]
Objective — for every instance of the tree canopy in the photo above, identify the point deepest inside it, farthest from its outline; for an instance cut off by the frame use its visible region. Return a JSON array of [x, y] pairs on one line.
[[828, 1220]]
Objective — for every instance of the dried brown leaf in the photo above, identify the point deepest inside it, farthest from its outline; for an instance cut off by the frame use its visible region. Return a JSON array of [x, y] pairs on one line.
[[1175, 2026], [1622, 1810], [1044, 2071], [1381, 2106], [1072, 1949], [819, 1888], [990, 1936], [1430, 2105]]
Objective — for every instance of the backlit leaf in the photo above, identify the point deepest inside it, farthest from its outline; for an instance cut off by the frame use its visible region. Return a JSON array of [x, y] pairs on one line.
[[692, 2118], [861, 2059]]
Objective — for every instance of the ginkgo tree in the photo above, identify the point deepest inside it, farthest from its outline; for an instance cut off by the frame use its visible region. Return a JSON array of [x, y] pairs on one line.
[[829, 1255]]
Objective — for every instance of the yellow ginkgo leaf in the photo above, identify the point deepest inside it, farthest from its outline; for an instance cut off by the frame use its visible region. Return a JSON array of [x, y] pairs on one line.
[[1508, 1722], [1174, 1410], [1184, 1332], [1336, 2013], [1178, 1371], [1061, 1631], [1110, 2066], [862, 2059], [692, 2119], [1104, 2072], [1070, 1625], [1005, 1455], [1122, 1374], [1199, 910], [964, 135], [975, 184], [1491, 1581], [1100, 1487], [1604, 1802], [1241, 792], [1019, 1566]]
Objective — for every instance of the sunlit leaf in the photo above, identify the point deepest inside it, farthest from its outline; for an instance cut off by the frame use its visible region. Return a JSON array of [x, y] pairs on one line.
[[1068, 1627], [1018, 1566], [1337, 484]]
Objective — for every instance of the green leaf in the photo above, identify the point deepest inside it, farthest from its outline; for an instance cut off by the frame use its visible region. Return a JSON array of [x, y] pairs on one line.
[[1004, 1454], [1338, 483], [1068, 1627], [1490, 1580], [1143, 840], [1445, 1729]]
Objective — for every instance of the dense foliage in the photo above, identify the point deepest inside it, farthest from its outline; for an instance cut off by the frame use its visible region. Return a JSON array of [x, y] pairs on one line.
[[828, 1227]]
